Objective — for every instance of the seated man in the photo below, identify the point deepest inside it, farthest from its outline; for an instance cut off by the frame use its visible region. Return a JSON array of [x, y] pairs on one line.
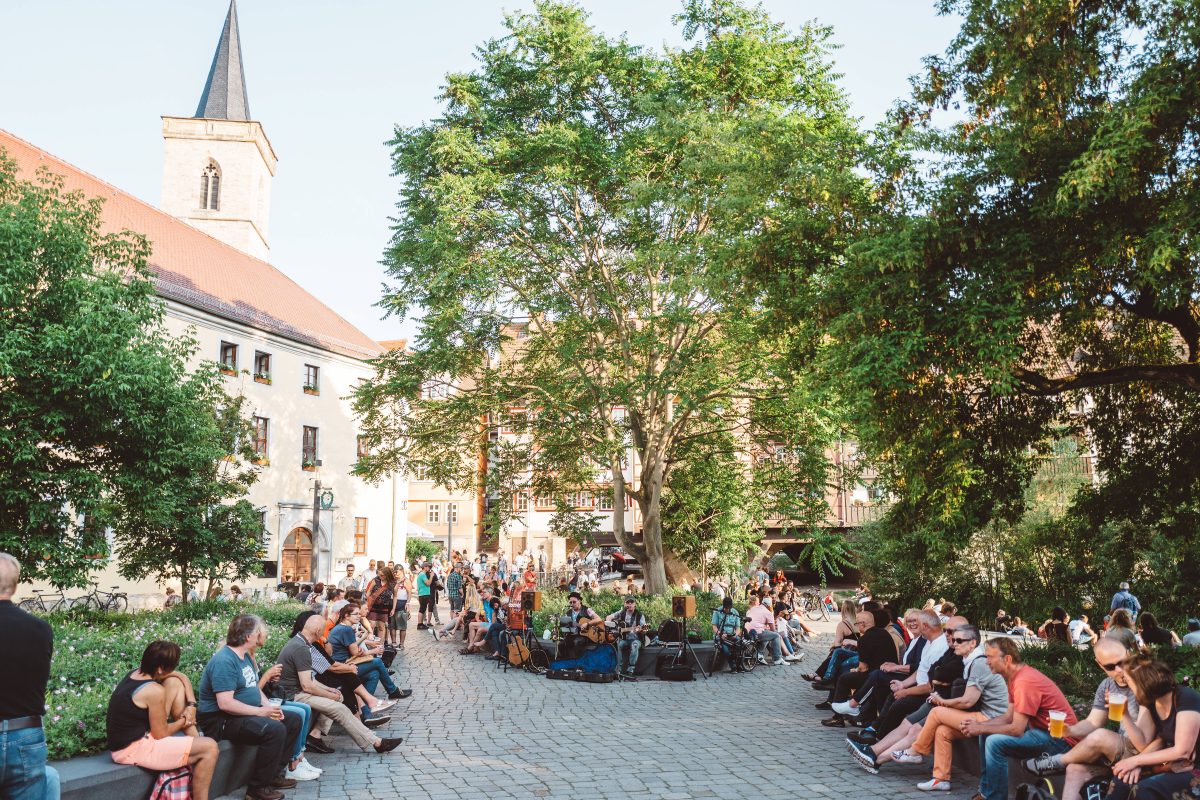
[[869, 697], [231, 706], [1098, 748], [726, 623], [876, 647], [1192, 637], [571, 642], [1023, 730], [760, 628], [1081, 632], [631, 625], [499, 618], [297, 683]]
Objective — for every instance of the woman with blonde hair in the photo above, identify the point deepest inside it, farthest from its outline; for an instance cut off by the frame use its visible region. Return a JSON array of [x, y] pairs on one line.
[[472, 609], [845, 645]]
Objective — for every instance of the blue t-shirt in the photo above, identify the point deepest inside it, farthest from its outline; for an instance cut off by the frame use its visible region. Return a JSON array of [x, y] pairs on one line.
[[225, 672], [423, 582], [340, 639], [727, 622]]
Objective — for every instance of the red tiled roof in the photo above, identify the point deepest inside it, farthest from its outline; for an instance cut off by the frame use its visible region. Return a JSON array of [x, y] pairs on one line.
[[193, 268], [393, 344]]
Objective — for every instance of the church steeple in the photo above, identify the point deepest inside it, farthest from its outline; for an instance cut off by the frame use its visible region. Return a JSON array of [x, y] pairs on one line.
[[224, 94]]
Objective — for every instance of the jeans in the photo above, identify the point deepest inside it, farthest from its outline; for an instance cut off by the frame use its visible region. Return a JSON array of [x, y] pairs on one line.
[[275, 739], [305, 714], [627, 654], [23, 771], [842, 659], [492, 638], [768, 639], [996, 749], [373, 673], [1154, 787]]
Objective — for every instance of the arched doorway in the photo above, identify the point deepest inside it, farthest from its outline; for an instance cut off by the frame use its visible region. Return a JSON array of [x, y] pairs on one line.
[[296, 557]]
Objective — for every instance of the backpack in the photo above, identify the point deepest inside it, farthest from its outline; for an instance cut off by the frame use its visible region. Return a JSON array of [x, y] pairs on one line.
[[670, 631], [175, 784], [1035, 791]]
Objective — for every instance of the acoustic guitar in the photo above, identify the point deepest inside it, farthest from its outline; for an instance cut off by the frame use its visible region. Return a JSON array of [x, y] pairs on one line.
[[592, 629]]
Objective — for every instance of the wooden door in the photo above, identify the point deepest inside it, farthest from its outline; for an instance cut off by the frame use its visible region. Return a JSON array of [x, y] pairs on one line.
[[296, 559]]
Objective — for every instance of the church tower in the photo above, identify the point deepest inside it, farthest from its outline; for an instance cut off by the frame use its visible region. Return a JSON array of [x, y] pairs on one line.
[[218, 165]]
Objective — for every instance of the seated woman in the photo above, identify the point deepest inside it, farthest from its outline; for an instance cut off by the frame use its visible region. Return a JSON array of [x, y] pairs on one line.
[[139, 732], [1174, 722], [1056, 628], [472, 609], [1153, 634], [346, 645], [789, 638]]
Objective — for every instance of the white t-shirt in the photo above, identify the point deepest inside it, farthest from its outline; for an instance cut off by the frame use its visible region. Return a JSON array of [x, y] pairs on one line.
[[932, 652], [1191, 639]]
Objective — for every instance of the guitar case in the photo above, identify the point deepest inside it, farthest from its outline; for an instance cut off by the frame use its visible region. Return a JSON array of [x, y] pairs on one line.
[[583, 676]]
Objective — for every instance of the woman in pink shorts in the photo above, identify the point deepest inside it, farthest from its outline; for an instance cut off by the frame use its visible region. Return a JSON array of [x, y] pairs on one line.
[[138, 730]]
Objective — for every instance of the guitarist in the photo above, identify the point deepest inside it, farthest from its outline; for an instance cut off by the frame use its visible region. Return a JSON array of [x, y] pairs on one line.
[[630, 623], [571, 642]]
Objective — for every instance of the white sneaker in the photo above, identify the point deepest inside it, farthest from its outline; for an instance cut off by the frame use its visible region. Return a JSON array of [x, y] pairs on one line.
[[301, 773], [778, 663], [437, 635], [907, 757], [305, 762], [793, 658], [384, 705], [761, 660], [845, 709], [934, 785]]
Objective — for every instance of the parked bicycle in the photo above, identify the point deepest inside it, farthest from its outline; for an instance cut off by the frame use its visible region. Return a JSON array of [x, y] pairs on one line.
[[47, 602], [813, 606], [103, 601]]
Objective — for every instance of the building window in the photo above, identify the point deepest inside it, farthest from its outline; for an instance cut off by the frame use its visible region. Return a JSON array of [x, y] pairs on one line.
[[262, 366], [433, 513], [360, 447], [521, 501], [604, 500], [312, 379], [229, 357], [262, 432], [452, 513], [308, 451], [543, 503], [210, 188], [360, 536], [421, 473]]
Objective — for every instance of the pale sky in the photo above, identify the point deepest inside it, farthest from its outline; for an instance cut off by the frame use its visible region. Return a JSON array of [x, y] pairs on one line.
[[88, 81]]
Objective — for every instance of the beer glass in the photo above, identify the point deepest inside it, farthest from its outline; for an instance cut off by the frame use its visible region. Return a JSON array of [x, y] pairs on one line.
[[1116, 707], [1058, 723]]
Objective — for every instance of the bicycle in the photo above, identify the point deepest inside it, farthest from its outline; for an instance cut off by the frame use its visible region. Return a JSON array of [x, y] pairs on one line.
[[104, 601], [813, 606], [38, 602], [743, 653]]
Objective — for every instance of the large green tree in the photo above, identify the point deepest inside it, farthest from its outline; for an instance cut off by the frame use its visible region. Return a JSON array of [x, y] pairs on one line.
[[1032, 263], [99, 413], [590, 230]]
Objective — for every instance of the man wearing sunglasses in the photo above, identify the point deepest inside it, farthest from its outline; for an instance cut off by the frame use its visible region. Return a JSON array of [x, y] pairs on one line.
[[1099, 747]]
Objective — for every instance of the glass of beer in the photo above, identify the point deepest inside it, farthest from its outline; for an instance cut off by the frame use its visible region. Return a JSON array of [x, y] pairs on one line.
[[1058, 723], [1116, 706]]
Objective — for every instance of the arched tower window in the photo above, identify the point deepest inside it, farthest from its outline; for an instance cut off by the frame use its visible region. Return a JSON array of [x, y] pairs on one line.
[[210, 187]]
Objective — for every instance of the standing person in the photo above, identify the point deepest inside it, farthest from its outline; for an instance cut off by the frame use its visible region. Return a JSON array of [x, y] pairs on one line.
[[370, 573], [1125, 599], [350, 582], [398, 624], [24, 673], [137, 720], [381, 602], [1171, 716], [424, 590], [435, 589], [1024, 729], [454, 589], [502, 568], [233, 707]]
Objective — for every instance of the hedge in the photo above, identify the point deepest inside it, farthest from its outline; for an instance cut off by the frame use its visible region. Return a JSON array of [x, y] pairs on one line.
[[657, 608], [93, 651]]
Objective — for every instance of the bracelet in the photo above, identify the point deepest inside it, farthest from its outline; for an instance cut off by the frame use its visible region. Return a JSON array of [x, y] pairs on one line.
[[192, 704]]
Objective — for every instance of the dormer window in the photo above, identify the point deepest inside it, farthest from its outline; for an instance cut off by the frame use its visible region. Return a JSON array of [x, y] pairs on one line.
[[210, 187]]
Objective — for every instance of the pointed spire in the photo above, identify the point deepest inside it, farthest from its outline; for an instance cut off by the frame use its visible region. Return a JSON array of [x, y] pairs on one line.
[[224, 94]]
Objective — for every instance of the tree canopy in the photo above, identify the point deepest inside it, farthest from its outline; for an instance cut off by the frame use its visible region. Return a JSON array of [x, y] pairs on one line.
[[591, 232]]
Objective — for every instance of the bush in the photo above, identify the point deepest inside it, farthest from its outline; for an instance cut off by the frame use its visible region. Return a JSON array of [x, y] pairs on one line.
[[657, 608], [93, 651], [421, 550]]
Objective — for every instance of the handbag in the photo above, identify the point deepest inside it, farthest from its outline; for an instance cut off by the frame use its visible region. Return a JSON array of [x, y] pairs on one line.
[[175, 784]]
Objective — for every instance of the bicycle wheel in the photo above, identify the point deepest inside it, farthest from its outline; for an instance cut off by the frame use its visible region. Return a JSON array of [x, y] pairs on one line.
[[748, 659], [87, 602], [814, 609], [539, 660], [30, 604], [118, 603]]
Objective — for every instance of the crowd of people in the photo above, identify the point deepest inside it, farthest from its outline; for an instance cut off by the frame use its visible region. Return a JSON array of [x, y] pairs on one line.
[[916, 683]]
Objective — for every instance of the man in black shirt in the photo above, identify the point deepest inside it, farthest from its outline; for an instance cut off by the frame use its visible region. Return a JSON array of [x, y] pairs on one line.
[[876, 647], [23, 674]]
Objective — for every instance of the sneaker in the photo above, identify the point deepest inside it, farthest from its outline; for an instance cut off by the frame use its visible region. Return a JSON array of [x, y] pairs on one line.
[[866, 736], [301, 773], [845, 709], [383, 705], [793, 658], [309, 764], [824, 705], [437, 635], [779, 662], [864, 755], [934, 785], [761, 660], [834, 722], [375, 722], [399, 694], [1045, 764], [907, 757]]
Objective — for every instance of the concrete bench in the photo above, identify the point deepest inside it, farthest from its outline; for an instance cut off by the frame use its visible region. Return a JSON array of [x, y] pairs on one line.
[[98, 778], [648, 656], [966, 758]]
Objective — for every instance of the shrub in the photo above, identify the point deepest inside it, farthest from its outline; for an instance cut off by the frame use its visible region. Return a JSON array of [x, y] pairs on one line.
[[93, 651]]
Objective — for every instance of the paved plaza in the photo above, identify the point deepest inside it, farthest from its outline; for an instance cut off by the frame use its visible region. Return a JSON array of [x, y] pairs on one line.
[[472, 731]]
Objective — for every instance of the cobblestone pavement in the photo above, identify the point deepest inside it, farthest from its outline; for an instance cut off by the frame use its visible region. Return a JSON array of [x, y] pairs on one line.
[[472, 731]]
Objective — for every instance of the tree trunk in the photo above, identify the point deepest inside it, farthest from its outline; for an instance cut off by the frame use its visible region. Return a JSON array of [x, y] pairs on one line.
[[185, 587], [654, 568]]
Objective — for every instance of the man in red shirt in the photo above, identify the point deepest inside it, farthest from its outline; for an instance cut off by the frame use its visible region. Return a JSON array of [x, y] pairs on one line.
[[1024, 730]]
